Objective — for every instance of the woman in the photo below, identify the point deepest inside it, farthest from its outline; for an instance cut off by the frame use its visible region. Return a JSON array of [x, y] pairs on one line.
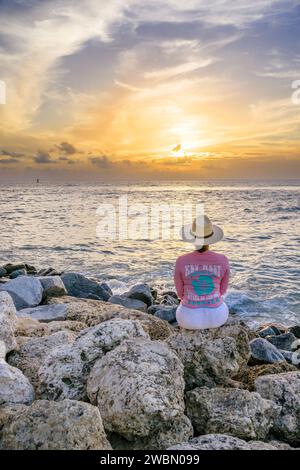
[[201, 278]]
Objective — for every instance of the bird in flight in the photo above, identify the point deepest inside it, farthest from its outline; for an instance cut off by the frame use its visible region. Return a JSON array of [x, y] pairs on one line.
[[177, 148]]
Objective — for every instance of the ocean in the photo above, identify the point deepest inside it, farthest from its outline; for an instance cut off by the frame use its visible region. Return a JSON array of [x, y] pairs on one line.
[[56, 225]]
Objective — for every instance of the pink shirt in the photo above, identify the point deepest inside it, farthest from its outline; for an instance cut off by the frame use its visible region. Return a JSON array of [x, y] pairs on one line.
[[201, 278]]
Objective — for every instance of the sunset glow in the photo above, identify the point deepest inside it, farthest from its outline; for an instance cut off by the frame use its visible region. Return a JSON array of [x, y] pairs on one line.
[[100, 89]]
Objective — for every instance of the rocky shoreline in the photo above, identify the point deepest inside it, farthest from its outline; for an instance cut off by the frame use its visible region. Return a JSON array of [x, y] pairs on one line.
[[82, 368]]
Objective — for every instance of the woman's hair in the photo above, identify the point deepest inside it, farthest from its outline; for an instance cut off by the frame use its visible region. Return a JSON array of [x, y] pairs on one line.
[[203, 249]]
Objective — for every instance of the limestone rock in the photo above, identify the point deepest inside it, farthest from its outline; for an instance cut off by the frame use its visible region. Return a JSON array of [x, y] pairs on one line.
[[14, 386], [46, 425], [30, 327], [139, 390], [45, 313], [221, 442], [283, 389], [65, 371], [213, 356], [247, 375], [8, 321], [236, 412], [31, 355], [26, 291], [92, 312]]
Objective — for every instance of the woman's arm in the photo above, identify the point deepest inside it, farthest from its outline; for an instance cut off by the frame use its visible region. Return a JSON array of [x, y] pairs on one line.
[[225, 281], [178, 280]]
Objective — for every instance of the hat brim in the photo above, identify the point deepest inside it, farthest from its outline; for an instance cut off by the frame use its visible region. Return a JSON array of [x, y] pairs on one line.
[[188, 236]]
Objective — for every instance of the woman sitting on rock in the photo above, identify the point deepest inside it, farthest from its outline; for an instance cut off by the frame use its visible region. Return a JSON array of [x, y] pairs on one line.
[[201, 278]]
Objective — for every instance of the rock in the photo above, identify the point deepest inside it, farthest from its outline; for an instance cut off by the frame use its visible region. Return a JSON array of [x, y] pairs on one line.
[[3, 272], [78, 285], [30, 327], [25, 291], [10, 268], [65, 371], [30, 269], [67, 325], [169, 300], [283, 341], [269, 331], [141, 292], [47, 272], [65, 425], [211, 357], [45, 313], [295, 330], [170, 293], [53, 286], [14, 386], [8, 321], [32, 354], [247, 375], [280, 445], [221, 442], [288, 356], [236, 412], [17, 273], [164, 313], [92, 312], [2, 350], [263, 352], [128, 303], [139, 390], [283, 389]]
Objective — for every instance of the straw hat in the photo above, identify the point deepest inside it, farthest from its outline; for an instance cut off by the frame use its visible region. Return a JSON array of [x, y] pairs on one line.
[[201, 232]]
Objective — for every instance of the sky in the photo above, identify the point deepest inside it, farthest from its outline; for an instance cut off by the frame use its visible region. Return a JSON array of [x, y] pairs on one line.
[[160, 89]]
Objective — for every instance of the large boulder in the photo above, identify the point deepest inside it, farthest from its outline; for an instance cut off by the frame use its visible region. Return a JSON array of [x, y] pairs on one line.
[[139, 390], [92, 312], [46, 425], [283, 389], [221, 442], [141, 292], [236, 412], [14, 386], [32, 354], [78, 285], [128, 303], [8, 321], [53, 286], [26, 291], [45, 313], [65, 371], [211, 357]]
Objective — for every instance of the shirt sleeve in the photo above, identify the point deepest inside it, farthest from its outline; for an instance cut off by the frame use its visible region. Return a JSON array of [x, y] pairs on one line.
[[178, 280], [225, 280]]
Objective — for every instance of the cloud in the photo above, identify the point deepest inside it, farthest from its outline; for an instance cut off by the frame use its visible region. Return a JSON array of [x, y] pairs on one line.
[[8, 161], [67, 148], [102, 162], [11, 154], [43, 158]]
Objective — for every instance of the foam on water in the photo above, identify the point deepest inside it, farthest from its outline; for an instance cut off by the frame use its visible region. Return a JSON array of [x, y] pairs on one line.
[[55, 225]]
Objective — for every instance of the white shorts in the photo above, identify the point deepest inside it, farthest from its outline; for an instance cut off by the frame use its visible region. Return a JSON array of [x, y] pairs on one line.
[[201, 318]]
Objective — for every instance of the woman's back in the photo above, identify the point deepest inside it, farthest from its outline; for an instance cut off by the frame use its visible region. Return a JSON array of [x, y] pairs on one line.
[[201, 278]]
